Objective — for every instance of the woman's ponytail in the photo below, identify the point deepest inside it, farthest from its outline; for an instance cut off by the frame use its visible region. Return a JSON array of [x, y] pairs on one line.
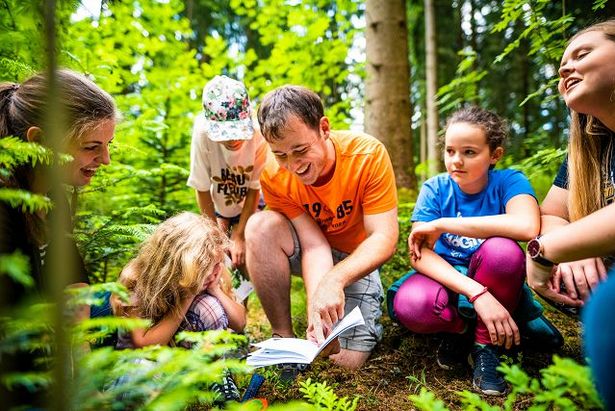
[[7, 90]]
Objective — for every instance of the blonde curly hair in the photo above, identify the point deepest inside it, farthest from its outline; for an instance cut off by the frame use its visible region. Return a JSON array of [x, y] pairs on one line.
[[175, 261]]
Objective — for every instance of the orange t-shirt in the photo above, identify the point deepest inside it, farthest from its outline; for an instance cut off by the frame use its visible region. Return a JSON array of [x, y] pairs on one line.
[[363, 183]]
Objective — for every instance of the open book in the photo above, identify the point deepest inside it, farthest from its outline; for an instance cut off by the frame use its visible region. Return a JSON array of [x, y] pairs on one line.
[[296, 350]]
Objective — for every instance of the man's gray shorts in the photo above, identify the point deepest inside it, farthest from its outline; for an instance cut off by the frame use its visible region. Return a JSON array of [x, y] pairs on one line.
[[366, 293]]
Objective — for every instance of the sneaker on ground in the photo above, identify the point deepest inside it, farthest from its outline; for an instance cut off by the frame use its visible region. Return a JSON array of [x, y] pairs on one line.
[[453, 350], [290, 371], [227, 389], [486, 378]]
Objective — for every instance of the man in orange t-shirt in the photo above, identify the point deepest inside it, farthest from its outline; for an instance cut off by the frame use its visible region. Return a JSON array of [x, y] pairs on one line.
[[332, 218]]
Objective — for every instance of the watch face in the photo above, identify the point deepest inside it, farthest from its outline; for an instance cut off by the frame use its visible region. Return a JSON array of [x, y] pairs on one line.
[[533, 248]]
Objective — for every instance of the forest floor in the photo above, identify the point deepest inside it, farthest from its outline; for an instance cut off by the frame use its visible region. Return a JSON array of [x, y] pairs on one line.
[[383, 383]]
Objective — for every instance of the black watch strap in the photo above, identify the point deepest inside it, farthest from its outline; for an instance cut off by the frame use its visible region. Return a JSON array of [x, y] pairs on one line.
[[543, 261]]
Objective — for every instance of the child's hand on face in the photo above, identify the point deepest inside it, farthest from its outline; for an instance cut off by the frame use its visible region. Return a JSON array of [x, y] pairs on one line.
[[212, 282]]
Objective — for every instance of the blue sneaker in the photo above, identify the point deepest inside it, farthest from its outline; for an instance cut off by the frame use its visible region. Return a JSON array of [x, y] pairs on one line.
[[486, 378]]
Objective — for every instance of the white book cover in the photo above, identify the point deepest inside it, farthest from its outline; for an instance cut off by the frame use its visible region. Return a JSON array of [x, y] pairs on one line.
[[297, 350], [245, 287]]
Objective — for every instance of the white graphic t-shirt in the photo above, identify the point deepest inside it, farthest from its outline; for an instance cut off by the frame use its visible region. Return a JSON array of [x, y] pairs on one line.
[[226, 174]]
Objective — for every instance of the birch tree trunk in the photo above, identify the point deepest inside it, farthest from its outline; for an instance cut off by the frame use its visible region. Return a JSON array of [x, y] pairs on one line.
[[387, 87]]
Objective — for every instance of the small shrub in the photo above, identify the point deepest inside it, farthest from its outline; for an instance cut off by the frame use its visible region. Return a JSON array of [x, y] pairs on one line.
[[324, 398], [564, 385]]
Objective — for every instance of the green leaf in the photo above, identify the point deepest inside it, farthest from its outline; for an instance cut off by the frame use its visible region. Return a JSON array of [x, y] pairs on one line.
[[15, 152], [25, 200], [426, 401], [16, 266]]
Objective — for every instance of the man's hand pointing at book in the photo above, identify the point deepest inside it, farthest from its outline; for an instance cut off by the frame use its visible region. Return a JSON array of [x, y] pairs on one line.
[[325, 309]]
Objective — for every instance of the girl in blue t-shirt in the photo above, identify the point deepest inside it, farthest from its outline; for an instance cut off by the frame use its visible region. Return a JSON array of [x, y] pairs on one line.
[[463, 244]]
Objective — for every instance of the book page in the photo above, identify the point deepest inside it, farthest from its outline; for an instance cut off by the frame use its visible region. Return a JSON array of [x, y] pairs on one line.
[[353, 319], [305, 347], [265, 357], [297, 350]]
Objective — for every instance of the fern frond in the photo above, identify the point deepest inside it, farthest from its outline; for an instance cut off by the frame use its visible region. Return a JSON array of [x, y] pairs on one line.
[[15, 152], [14, 69], [24, 200], [149, 213], [17, 267], [117, 233]]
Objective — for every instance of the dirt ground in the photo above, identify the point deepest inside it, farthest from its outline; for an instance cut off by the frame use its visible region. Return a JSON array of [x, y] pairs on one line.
[[383, 383]]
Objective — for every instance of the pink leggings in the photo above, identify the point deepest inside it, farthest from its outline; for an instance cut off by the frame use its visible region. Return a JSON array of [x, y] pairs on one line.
[[426, 306]]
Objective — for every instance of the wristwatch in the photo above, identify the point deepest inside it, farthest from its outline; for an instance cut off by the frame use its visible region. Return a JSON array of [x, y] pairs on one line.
[[535, 250]]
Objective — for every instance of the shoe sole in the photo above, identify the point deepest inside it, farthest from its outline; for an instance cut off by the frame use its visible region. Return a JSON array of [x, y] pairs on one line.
[[290, 373], [492, 393]]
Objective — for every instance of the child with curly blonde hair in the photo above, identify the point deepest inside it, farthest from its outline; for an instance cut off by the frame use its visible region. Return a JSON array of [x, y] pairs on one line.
[[178, 281]]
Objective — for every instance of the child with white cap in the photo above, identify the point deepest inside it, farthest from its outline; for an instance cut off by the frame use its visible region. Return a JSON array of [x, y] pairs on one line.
[[227, 156]]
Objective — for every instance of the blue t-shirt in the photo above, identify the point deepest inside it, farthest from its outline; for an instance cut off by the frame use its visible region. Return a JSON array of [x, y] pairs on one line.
[[441, 197]]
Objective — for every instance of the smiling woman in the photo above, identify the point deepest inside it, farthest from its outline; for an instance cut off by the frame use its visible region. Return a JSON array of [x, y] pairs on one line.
[[585, 182], [568, 263], [91, 117], [90, 152], [586, 74]]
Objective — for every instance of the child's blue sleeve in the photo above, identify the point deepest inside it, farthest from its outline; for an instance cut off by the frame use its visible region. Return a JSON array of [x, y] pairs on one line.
[[427, 207], [515, 183]]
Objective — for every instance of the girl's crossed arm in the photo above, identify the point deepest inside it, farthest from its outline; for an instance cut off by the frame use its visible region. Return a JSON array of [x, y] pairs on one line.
[[162, 332], [521, 222]]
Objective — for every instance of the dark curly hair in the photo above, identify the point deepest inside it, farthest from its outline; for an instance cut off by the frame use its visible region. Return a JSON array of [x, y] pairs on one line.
[[495, 128]]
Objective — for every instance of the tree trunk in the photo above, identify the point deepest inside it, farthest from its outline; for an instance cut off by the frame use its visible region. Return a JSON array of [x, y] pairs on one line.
[[526, 78], [423, 150], [474, 41], [387, 87], [431, 49]]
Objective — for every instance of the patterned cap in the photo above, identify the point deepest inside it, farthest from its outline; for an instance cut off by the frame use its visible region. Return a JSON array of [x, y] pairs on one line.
[[226, 106]]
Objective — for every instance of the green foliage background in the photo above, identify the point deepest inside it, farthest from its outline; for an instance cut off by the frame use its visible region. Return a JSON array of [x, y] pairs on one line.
[[154, 56]]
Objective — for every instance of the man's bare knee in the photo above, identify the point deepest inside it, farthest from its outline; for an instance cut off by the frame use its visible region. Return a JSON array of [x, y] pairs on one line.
[[349, 359], [267, 231], [265, 224]]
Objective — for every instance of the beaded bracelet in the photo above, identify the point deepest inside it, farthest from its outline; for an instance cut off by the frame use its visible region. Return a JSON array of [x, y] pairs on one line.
[[474, 297]]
